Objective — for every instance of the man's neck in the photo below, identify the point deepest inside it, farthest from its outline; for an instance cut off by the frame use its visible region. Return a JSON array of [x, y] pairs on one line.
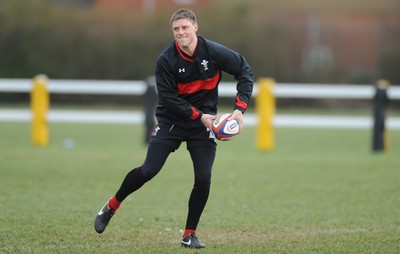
[[189, 50]]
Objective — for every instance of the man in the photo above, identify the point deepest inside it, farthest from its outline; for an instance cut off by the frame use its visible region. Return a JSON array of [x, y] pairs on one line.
[[187, 75]]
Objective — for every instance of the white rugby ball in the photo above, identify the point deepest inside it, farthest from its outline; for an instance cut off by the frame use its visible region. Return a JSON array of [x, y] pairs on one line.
[[223, 129]]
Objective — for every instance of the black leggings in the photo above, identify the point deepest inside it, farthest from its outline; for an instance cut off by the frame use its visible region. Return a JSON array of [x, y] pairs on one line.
[[202, 156]]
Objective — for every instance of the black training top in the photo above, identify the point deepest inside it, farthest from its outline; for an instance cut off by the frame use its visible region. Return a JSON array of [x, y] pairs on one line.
[[188, 85]]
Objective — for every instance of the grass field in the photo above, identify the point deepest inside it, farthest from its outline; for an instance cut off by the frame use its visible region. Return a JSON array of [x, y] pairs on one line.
[[319, 191]]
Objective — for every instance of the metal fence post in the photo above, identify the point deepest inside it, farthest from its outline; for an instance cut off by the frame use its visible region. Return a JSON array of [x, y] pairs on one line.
[[381, 100]]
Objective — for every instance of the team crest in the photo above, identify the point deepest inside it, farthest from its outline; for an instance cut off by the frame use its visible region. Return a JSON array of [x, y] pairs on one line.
[[205, 64]]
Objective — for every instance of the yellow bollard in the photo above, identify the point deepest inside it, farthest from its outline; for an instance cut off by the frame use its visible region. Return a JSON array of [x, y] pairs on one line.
[[40, 106], [265, 109]]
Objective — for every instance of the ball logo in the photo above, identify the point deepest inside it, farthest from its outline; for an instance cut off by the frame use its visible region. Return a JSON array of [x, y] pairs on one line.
[[224, 129], [232, 126]]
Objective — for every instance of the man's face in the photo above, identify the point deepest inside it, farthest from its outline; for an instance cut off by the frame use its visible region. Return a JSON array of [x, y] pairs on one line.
[[184, 32]]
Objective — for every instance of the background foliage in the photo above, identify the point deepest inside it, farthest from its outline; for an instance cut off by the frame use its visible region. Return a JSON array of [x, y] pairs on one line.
[[68, 41]]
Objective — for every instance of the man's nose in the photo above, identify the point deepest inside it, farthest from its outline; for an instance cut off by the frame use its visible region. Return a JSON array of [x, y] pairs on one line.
[[180, 31]]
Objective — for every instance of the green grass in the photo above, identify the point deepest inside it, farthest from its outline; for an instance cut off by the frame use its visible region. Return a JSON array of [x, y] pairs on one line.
[[319, 191]]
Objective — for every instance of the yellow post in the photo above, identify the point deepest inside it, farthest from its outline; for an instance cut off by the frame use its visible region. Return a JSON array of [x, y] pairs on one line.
[[40, 106], [265, 109]]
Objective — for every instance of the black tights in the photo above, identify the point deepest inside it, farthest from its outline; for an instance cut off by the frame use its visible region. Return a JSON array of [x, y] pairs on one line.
[[202, 157]]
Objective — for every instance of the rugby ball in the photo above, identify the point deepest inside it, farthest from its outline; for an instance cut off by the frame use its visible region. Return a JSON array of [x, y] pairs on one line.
[[223, 129]]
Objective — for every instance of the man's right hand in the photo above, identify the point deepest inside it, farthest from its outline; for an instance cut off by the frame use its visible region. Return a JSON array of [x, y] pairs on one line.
[[208, 120]]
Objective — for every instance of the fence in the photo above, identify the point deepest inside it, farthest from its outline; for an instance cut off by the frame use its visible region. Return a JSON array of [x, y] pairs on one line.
[[226, 89]]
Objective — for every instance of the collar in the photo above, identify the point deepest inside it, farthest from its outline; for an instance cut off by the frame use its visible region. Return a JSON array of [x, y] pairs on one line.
[[195, 53]]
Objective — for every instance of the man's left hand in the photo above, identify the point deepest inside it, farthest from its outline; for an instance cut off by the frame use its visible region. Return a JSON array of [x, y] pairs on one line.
[[238, 116]]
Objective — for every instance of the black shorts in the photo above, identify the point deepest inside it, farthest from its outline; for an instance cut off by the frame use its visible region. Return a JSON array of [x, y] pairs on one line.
[[173, 136]]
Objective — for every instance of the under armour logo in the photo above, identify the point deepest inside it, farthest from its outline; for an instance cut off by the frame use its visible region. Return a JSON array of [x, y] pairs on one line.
[[205, 64], [182, 70]]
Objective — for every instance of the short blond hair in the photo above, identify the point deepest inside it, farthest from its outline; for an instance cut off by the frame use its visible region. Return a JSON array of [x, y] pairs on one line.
[[184, 14]]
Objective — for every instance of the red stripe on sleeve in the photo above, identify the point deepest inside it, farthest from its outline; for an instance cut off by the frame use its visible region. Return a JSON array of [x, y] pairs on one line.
[[240, 103], [195, 114]]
